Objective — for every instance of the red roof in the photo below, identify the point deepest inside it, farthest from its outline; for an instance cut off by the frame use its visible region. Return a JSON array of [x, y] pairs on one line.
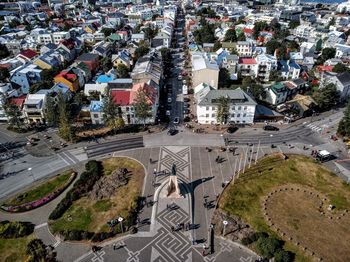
[[247, 61], [248, 31], [121, 97], [150, 92], [18, 101], [325, 68], [69, 43], [67, 75], [28, 53]]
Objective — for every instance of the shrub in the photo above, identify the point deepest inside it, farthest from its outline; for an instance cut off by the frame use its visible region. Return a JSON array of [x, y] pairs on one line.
[[253, 237], [15, 229], [267, 246], [37, 251], [77, 235], [284, 256]]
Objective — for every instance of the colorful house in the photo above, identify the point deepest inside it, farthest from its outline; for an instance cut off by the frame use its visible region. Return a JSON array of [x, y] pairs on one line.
[[69, 78], [91, 60]]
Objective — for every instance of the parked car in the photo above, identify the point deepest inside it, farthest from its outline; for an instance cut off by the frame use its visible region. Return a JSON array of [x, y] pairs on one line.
[[186, 99], [232, 129], [271, 128], [172, 132], [169, 100], [186, 111], [186, 105], [167, 112], [179, 77], [176, 120]]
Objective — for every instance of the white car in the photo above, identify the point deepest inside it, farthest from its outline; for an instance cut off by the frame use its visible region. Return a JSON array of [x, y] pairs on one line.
[[179, 77], [176, 120], [167, 112], [169, 99]]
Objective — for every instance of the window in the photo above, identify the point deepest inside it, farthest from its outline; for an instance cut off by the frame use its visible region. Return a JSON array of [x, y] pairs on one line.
[[95, 115], [239, 108], [233, 108], [127, 109], [233, 115], [245, 108], [212, 115], [206, 115], [244, 115], [97, 122], [207, 108], [238, 115], [213, 108]]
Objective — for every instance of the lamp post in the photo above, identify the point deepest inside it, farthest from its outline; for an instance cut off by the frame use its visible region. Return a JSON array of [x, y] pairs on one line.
[[120, 220], [31, 173], [210, 244], [225, 224]]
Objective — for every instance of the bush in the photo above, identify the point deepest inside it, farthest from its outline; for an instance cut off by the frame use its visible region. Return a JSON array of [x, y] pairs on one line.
[[253, 237], [37, 251], [284, 256], [15, 229], [268, 246], [77, 235]]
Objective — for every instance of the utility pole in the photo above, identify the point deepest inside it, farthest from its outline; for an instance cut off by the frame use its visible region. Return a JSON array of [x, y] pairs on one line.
[[257, 153]]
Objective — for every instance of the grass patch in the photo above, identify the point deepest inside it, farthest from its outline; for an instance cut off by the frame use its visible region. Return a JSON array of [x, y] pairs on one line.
[[88, 215], [41, 190], [14, 249], [244, 199]]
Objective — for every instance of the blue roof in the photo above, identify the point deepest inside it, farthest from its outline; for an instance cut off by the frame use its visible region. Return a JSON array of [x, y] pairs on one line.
[[60, 87], [96, 106], [105, 78], [293, 64]]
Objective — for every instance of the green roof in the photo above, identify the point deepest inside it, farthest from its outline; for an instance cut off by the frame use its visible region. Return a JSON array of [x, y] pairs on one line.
[[114, 37]]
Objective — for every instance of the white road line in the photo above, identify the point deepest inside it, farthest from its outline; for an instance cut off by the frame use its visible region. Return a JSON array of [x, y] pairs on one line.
[[67, 163], [211, 172], [66, 154], [200, 168], [41, 225]]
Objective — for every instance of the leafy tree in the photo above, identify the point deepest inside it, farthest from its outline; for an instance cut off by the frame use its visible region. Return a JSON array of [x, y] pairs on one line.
[[65, 129], [340, 68], [47, 75], [326, 97], [207, 12], [4, 52], [293, 45], [328, 53], [205, 34], [217, 46], [224, 78], [142, 106], [37, 252], [137, 29], [4, 74], [284, 256], [38, 86], [107, 31], [271, 46], [13, 113], [142, 50], [150, 33], [268, 246], [110, 110], [332, 22], [222, 112], [166, 59], [318, 47], [119, 123], [106, 64], [122, 71], [256, 90], [241, 37], [258, 27], [230, 36], [247, 81], [294, 23], [275, 76], [51, 116], [344, 124]]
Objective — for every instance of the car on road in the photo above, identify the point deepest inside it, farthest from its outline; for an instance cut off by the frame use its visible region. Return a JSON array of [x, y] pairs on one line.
[[186, 111], [176, 120], [169, 100], [179, 77], [186, 105], [271, 128], [186, 99], [232, 129], [167, 112], [172, 132]]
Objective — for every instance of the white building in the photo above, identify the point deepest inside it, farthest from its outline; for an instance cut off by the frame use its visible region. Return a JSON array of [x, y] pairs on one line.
[[266, 64], [244, 48], [34, 107], [204, 70], [241, 105]]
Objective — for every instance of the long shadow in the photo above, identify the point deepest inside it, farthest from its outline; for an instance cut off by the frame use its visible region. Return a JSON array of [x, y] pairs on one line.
[[197, 182]]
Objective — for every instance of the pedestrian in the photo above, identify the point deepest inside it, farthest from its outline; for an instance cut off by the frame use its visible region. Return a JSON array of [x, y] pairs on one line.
[[114, 247], [203, 253], [155, 171], [150, 160], [172, 229]]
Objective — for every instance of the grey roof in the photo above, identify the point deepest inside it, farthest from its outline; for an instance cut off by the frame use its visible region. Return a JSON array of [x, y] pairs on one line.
[[87, 57], [299, 81], [344, 78], [261, 110], [236, 96], [199, 62]]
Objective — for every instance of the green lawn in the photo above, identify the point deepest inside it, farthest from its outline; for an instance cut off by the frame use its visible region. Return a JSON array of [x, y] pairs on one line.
[[244, 197], [14, 249], [88, 215], [41, 190]]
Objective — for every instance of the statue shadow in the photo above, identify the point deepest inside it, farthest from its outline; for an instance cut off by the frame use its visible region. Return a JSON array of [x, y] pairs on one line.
[[197, 182]]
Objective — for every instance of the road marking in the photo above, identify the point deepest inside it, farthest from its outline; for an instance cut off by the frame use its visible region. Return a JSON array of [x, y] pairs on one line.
[[41, 225], [211, 172], [71, 159], [67, 163]]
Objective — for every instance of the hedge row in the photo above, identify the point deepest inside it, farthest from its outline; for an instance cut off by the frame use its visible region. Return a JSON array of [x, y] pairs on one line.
[[15, 229], [39, 202], [92, 173]]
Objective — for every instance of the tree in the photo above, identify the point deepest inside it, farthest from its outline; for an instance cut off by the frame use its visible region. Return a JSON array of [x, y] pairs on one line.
[[328, 53], [224, 78], [107, 31], [256, 90], [294, 23], [230, 36], [13, 113], [119, 123], [106, 64], [4, 74], [340, 68], [344, 124], [222, 112], [247, 81], [318, 47], [110, 110], [51, 116], [65, 129], [217, 46], [258, 27], [284, 256], [150, 33], [268, 246], [241, 37], [4, 52], [37, 252], [38, 86], [142, 106], [142, 50], [326, 97], [271, 46], [122, 71]]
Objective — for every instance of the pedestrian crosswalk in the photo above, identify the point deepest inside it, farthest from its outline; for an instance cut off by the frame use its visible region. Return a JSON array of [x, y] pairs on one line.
[[315, 128]]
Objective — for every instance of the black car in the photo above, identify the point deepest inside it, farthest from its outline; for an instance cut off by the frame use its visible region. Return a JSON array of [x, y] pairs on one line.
[[232, 129], [186, 105], [186, 111], [186, 99], [172, 132], [271, 128]]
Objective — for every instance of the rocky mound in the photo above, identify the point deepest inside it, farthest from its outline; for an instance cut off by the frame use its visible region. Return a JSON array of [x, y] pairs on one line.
[[106, 186]]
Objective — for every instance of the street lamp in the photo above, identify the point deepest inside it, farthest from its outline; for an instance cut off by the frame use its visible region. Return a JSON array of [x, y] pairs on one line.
[[120, 220], [31, 173], [225, 224]]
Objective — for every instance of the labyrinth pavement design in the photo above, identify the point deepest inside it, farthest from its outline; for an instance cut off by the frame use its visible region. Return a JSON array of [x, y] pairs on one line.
[[178, 155]]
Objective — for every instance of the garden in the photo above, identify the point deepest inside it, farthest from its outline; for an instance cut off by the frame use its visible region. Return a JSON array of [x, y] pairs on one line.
[[107, 190], [295, 207], [41, 194]]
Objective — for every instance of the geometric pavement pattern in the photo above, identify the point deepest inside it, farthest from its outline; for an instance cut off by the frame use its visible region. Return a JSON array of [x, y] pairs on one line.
[[178, 155]]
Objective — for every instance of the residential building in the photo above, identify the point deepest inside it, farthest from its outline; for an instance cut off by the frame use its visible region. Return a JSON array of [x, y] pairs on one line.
[[204, 71], [249, 67], [266, 63], [241, 105], [91, 60], [276, 94], [34, 108], [26, 76], [289, 69], [244, 48], [69, 78], [103, 49], [342, 82], [96, 112], [123, 57], [148, 68]]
